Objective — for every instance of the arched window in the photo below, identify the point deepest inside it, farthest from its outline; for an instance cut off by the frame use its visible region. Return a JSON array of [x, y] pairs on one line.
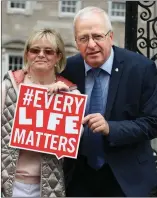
[[12, 55]]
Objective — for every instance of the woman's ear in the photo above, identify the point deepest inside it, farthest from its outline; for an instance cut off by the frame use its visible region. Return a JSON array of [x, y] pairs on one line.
[[59, 57], [25, 56]]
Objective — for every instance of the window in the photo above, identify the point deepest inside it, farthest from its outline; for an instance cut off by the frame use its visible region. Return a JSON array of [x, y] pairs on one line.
[[12, 55], [116, 10], [69, 7], [19, 6], [15, 62]]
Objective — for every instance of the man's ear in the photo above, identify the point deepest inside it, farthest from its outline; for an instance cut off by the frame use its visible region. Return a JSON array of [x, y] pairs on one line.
[[111, 38], [77, 47], [76, 44]]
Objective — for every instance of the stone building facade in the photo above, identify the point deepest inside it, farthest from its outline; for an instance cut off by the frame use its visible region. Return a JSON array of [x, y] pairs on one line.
[[20, 17]]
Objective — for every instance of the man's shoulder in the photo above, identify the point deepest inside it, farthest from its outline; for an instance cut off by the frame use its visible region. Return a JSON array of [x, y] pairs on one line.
[[75, 58], [130, 56], [74, 64]]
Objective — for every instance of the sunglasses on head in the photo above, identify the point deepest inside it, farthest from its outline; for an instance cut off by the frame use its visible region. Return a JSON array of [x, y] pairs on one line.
[[37, 51]]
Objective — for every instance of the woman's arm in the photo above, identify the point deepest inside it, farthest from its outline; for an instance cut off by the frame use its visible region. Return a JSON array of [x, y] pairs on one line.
[[3, 95]]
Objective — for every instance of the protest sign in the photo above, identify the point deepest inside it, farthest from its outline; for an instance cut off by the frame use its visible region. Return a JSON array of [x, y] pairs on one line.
[[48, 124]]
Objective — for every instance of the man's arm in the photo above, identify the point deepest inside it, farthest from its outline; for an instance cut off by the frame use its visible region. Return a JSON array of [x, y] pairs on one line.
[[145, 126]]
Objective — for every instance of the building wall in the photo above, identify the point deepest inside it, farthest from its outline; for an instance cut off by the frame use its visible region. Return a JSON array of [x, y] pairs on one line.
[[44, 13]]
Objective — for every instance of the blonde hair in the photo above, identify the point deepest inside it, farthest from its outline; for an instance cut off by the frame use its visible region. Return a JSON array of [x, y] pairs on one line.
[[91, 10], [57, 44]]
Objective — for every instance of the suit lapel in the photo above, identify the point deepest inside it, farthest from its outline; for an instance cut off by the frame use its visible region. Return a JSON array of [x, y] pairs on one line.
[[116, 73], [80, 75], [114, 81]]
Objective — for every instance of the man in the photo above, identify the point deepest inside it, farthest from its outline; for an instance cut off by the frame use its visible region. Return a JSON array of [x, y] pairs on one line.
[[115, 156]]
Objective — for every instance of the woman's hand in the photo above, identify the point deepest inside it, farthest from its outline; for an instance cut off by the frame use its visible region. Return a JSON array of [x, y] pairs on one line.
[[58, 86]]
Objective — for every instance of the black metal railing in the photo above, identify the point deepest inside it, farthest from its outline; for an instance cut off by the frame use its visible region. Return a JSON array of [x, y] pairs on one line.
[[141, 39], [141, 34]]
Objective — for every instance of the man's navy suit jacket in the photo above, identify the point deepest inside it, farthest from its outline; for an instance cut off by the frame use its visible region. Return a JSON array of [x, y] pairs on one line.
[[131, 113]]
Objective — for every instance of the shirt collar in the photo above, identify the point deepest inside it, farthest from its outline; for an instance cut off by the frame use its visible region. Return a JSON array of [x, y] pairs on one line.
[[107, 66]]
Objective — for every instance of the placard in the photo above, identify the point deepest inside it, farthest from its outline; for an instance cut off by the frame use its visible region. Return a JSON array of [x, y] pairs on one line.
[[48, 124]]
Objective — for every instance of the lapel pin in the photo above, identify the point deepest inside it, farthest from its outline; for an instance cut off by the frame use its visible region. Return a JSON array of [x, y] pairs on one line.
[[116, 69]]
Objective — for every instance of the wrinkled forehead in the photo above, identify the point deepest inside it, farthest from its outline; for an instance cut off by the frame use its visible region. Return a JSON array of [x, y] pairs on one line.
[[46, 38], [90, 24], [90, 15]]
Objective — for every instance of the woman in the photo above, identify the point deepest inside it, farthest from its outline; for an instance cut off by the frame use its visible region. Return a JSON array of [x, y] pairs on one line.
[[27, 173]]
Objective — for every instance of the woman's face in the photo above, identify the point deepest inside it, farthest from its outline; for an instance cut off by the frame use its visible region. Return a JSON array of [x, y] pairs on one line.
[[41, 56]]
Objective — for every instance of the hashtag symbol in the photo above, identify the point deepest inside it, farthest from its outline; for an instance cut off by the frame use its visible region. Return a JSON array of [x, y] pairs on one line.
[[28, 97]]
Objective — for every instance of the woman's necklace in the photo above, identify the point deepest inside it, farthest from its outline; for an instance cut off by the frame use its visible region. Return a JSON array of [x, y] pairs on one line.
[[31, 79], [37, 82]]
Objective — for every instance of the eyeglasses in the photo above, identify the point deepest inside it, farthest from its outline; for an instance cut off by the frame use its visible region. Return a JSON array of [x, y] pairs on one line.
[[96, 37], [37, 51]]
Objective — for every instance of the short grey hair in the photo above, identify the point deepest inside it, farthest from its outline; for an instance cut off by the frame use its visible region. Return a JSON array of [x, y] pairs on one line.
[[90, 10], [57, 44]]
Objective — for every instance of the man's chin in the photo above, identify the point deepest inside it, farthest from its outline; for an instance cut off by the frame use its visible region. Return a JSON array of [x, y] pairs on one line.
[[94, 63]]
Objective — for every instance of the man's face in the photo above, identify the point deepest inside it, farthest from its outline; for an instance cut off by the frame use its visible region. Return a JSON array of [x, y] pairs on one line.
[[91, 41]]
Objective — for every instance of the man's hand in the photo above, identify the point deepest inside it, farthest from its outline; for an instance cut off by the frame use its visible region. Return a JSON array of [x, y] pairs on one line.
[[96, 123]]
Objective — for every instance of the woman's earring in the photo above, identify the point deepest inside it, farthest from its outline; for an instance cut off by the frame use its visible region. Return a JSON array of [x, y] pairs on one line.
[[56, 65]]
